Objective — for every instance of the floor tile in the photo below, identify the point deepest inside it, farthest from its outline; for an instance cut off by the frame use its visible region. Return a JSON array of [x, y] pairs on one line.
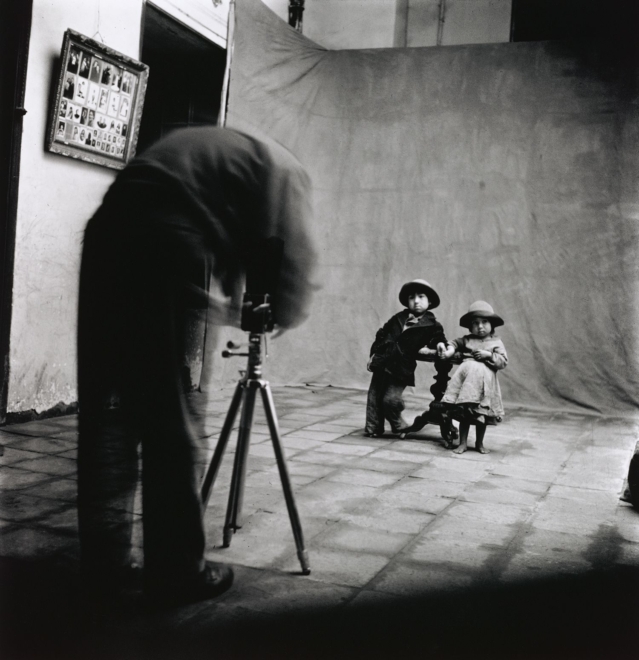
[[383, 465], [346, 536], [14, 477], [41, 445], [19, 506], [35, 543], [527, 566], [428, 487], [453, 527], [562, 515], [486, 492], [346, 449], [280, 593], [496, 513], [340, 567], [308, 469], [57, 489], [323, 458], [364, 477], [12, 456], [322, 436], [425, 502], [403, 456], [452, 553], [414, 579], [53, 465], [433, 472], [383, 516]]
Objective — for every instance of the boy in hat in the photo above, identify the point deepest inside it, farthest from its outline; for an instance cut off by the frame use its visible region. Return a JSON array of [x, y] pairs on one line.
[[393, 356]]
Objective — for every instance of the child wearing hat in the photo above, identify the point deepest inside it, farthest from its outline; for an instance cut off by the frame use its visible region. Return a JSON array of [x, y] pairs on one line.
[[473, 395], [393, 356]]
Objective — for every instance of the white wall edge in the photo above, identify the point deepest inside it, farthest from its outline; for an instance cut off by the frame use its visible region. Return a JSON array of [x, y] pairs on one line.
[[215, 32]]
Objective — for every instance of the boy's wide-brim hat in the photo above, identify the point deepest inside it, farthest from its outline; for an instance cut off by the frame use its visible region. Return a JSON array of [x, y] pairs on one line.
[[419, 285], [480, 309]]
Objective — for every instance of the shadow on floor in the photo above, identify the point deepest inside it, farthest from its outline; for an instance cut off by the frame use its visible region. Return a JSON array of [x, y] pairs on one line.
[[43, 617]]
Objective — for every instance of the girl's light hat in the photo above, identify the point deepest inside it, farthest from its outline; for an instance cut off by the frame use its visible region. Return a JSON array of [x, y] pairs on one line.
[[480, 309], [419, 285]]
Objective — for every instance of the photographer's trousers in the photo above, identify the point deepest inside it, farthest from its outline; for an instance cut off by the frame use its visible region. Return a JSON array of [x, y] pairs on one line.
[[142, 262]]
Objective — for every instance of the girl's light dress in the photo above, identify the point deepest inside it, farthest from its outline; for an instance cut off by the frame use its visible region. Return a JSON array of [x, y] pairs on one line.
[[473, 393]]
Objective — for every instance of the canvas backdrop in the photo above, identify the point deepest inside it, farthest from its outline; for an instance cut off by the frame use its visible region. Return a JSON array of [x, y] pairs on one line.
[[503, 172]]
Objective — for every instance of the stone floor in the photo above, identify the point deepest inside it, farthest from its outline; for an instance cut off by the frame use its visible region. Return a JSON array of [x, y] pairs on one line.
[[415, 552]]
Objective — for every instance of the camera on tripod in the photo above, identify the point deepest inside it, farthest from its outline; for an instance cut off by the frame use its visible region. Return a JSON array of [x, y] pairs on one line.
[[257, 313], [262, 275], [258, 317]]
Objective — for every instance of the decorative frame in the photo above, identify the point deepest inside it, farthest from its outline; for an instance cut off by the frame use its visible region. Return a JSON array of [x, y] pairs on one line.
[[98, 103]]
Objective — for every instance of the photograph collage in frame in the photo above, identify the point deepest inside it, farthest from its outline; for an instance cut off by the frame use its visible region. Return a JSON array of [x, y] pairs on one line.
[[98, 104]]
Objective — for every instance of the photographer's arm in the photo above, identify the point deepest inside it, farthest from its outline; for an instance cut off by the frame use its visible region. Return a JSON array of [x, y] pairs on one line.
[[290, 209]]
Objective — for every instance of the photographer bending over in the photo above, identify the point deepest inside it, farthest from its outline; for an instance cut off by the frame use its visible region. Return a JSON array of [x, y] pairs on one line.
[[195, 204]]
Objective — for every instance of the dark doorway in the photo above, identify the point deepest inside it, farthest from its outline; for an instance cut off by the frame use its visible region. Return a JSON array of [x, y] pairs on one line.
[[185, 78], [15, 29], [186, 75], [546, 20]]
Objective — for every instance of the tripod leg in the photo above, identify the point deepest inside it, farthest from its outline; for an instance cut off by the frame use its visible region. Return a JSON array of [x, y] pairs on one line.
[[269, 408], [211, 473], [236, 493]]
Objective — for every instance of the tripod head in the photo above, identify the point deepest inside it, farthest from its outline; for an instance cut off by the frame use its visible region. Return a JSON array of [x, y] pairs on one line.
[[257, 320], [257, 313]]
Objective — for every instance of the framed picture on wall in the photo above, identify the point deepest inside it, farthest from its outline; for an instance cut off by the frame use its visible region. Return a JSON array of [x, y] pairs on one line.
[[98, 103]]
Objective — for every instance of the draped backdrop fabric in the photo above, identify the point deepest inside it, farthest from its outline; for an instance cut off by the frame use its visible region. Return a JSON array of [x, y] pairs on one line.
[[502, 172]]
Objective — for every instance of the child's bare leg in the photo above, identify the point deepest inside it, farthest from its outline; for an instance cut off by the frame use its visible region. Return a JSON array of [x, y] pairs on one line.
[[464, 427], [480, 431]]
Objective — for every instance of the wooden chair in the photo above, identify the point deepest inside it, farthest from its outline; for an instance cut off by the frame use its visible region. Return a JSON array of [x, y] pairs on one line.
[[436, 413]]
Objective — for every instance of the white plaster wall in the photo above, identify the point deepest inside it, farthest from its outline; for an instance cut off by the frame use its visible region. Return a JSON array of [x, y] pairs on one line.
[[337, 24], [465, 22], [57, 196], [279, 7], [422, 20], [476, 22], [344, 24]]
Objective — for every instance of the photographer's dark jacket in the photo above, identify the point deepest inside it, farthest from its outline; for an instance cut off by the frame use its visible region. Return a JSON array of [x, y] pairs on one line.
[[236, 191], [395, 349]]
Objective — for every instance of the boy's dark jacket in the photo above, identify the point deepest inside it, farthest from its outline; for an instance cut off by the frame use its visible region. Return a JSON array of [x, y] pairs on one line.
[[395, 350]]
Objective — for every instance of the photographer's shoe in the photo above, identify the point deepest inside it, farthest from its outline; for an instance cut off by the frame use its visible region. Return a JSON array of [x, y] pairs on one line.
[[111, 582], [213, 581]]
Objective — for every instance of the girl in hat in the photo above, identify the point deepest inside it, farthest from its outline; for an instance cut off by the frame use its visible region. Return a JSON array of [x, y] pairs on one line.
[[473, 395]]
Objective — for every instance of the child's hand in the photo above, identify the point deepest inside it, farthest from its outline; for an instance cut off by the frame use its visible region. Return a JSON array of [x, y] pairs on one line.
[[444, 352], [482, 355]]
